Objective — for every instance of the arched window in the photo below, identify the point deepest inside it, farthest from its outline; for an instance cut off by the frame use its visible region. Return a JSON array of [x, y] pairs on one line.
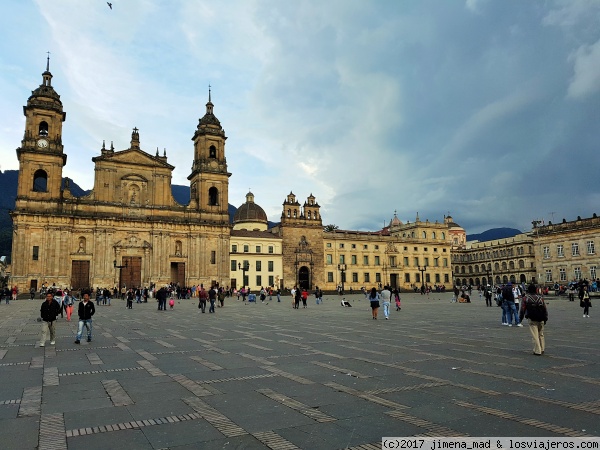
[[295, 214], [424, 235], [43, 130], [213, 196], [470, 269], [504, 266], [40, 181], [289, 214], [443, 235], [308, 215], [412, 234], [496, 267], [433, 235], [212, 152], [511, 264], [521, 264]]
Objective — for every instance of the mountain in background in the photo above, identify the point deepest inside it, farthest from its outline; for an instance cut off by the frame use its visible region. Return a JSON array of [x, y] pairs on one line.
[[493, 234], [8, 187]]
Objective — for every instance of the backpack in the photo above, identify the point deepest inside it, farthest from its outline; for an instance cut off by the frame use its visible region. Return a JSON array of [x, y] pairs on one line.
[[535, 309]]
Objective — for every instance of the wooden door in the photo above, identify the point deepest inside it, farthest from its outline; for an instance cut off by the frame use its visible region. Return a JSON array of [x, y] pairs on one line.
[[131, 276], [80, 275]]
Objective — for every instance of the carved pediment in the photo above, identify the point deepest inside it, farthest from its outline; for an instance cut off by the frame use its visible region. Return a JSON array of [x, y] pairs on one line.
[[135, 157]]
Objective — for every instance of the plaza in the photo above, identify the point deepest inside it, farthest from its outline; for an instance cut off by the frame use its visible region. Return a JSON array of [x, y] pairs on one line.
[[264, 375]]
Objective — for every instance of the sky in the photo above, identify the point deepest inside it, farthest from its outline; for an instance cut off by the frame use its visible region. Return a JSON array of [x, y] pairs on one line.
[[487, 110]]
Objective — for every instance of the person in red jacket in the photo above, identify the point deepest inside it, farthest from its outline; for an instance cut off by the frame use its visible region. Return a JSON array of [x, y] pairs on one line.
[[304, 297]]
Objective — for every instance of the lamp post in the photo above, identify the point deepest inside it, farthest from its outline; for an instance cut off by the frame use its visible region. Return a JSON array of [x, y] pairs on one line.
[[120, 270], [422, 270], [536, 224], [342, 269], [385, 269], [245, 268]]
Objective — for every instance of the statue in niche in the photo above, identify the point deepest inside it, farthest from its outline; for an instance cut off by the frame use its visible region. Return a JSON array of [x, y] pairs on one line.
[[81, 248], [178, 248]]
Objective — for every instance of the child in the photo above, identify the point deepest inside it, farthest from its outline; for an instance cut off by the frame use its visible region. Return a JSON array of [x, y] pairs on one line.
[[397, 297], [171, 303]]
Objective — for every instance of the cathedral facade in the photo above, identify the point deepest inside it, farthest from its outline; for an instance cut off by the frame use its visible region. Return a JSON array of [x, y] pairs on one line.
[[129, 230]]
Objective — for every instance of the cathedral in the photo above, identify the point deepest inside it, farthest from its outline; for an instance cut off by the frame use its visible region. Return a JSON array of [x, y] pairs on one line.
[[129, 230]]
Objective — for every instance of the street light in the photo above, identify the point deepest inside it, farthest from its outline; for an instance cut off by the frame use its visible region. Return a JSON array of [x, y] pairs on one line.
[[120, 270], [422, 270], [245, 268], [342, 269]]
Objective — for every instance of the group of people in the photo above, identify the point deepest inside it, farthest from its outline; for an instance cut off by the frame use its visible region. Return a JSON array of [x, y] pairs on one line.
[[383, 298], [51, 308]]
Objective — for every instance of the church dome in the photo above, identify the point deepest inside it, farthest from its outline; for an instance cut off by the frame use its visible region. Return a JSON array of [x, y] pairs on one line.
[[250, 212]]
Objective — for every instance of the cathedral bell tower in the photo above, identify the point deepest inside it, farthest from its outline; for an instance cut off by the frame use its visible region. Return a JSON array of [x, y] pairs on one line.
[[41, 156], [209, 180]]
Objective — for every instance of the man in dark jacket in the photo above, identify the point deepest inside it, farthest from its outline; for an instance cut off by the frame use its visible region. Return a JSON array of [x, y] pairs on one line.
[[86, 311], [49, 310]]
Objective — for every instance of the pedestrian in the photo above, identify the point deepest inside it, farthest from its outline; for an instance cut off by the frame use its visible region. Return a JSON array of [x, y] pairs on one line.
[[488, 296], [511, 309], [278, 296], [32, 293], [212, 297], [161, 298], [49, 310], [221, 297], [130, 296], [534, 309], [317, 295], [584, 300], [15, 292], [374, 299], [68, 302], [296, 298], [304, 297], [263, 295], [171, 303], [202, 295], [86, 311], [397, 299], [386, 296]]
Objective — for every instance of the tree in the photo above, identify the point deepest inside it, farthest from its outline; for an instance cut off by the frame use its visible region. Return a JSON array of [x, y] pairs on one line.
[[329, 228]]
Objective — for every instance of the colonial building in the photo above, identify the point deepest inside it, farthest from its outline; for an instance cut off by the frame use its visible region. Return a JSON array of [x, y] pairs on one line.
[[495, 262], [128, 230], [405, 256], [301, 232], [255, 254], [567, 251]]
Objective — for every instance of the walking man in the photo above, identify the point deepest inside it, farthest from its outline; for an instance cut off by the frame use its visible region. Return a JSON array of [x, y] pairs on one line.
[[386, 297], [86, 311], [203, 296], [49, 311]]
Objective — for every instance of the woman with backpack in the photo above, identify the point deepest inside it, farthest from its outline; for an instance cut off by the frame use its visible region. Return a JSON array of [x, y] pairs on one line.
[[534, 308]]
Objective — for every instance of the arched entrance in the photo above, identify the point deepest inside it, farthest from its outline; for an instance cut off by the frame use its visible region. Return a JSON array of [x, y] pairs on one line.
[[304, 278]]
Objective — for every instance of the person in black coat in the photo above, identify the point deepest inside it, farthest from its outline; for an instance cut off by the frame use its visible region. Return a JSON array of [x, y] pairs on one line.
[[49, 310], [86, 311]]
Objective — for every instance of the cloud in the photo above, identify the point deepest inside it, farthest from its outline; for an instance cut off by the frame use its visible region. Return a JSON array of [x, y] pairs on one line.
[[586, 67]]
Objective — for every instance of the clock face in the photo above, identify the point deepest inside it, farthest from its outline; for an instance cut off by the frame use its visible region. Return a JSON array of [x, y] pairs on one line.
[[42, 143]]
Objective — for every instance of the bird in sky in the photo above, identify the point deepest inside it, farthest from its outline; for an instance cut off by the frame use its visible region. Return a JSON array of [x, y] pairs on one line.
[[109, 5]]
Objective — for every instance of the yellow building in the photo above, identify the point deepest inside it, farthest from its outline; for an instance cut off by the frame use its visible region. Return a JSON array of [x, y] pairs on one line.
[[128, 230], [255, 253], [401, 255], [566, 251]]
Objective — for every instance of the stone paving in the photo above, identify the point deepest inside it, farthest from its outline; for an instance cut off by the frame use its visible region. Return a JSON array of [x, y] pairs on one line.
[[260, 376]]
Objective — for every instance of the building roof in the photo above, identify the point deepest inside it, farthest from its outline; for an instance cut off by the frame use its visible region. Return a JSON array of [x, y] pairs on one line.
[[250, 212]]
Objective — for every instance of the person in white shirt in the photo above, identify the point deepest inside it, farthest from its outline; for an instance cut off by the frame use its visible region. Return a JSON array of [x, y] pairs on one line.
[[386, 297]]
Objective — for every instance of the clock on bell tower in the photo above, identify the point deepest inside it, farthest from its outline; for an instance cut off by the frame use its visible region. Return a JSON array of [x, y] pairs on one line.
[[41, 156]]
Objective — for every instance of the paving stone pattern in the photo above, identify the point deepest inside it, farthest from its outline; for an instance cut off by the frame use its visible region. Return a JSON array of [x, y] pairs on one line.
[[266, 376]]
